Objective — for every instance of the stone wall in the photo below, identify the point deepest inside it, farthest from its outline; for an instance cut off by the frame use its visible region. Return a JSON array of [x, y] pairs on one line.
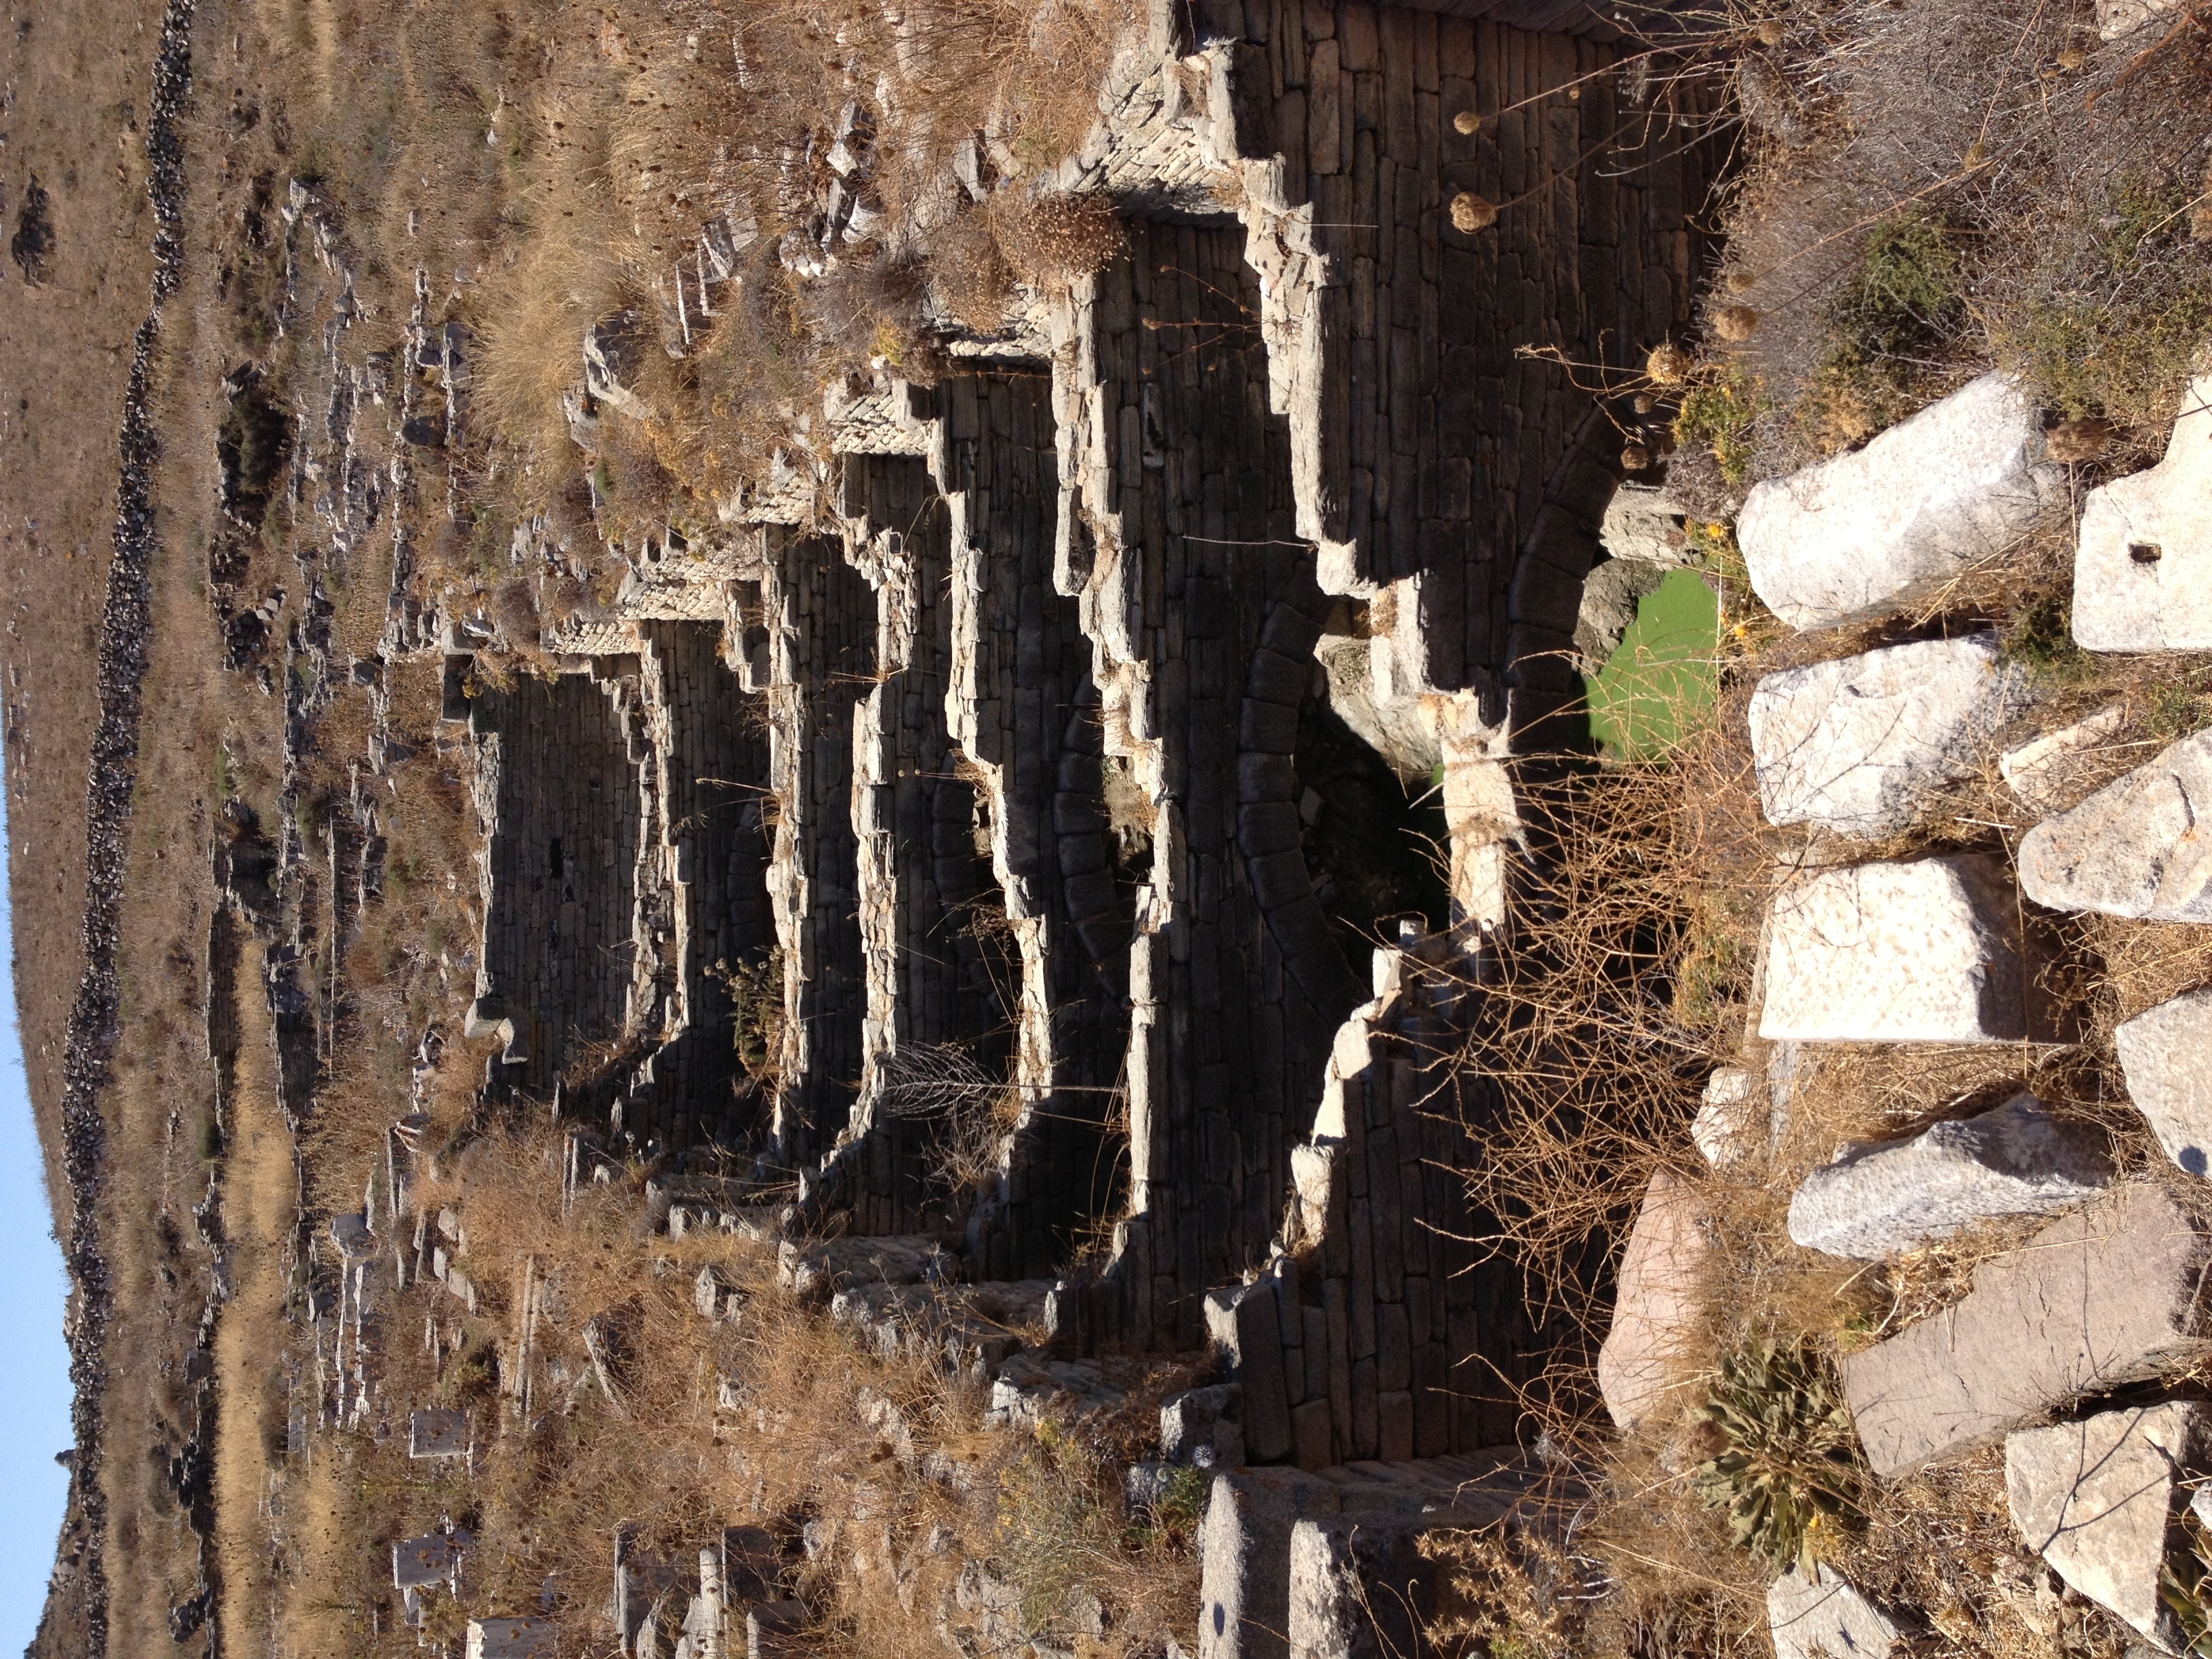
[[817, 627], [560, 771]]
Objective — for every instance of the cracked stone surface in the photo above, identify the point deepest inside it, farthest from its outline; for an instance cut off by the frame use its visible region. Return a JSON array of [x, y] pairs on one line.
[[1922, 951], [1823, 1617], [2142, 566], [2163, 1055], [1878, 1199], [2108, 1294], [1861, 744], [2133, 849], [2097, 1500], [1866, 531]]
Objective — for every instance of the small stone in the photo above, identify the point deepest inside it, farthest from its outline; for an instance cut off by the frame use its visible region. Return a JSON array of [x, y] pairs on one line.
[[2096, 1499], [2166, 1053], [2133, 849], [351, 1235], [1722, 1130], [1471, 213], [1866, 531], [1205, 1419], [2106, 1295], [2142, 567], [1824, 1618], [1646, 1357], [437, 1433], [2040, 771], [1925, 951], [1877, 1199], [1861, 744], [512, 1638]]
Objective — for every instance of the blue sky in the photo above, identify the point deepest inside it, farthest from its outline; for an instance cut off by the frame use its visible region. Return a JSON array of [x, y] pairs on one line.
[[34, 1392]]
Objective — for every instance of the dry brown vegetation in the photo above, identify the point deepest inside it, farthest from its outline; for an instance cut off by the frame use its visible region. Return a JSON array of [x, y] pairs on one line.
[[774, 1415]]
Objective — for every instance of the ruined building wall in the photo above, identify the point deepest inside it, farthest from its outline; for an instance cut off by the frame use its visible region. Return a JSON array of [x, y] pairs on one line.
[[712, 742], [561, 920], [1026, 716], [819, 627]]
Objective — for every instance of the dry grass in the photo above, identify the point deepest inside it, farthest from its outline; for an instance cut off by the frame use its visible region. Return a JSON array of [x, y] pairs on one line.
[[804, 1437]]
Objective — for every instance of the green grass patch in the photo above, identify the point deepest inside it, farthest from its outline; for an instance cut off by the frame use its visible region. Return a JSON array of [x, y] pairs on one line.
[[1663, 679]]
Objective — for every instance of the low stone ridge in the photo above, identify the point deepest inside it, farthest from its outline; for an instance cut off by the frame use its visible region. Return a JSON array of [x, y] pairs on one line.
[[1660, 1280], [2163, 1055], [1860, 745], [1925, 952], [2096, 1499], [2041, 770], [2108, 1294], [820, 1268], [1863, 532], [2133, 849], [1878, 1199], [2142, 566], [1824, 1618]]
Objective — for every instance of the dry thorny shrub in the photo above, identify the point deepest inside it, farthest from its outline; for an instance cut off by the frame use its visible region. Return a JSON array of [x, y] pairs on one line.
[[1929, 188]]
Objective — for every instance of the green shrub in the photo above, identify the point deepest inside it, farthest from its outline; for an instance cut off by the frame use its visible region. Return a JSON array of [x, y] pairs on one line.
[[1789, 1471], [2108, 327], [1719, 412], [2041, 639], [1892, 327]]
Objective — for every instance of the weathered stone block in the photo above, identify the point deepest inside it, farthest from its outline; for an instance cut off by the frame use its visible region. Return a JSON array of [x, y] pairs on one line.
[[1242, 1323], [1824, 1618], [1661, 1277], [437, 1433], [1204, 1426], [2133, 849], [1732, 1118], [2142, 567], [1926, 951], [2109, 1294], [2041, 770], [2097, 1500], [512, 1638], [1876, 1200], [1856, 535], [1861, 744], [2166, 1053]]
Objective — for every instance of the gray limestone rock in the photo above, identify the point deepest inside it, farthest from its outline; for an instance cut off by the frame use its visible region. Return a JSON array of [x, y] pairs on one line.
[[2105, 1295], [1360, 1588], [437, 1433], [2098, 1499], [1824, 1618], [2042, 770], [1643, 524], [1922, 951], [2133, 849], [1204, 1426], [1730, 1122], [1878, 1199], [2166, 1053], [1610, 593], [1859, 534], [2142, 567], [1860, 745], [1662, 1275], [512, 1638]]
